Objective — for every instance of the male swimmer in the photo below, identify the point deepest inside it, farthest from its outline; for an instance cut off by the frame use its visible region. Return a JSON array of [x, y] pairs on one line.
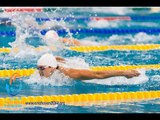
[[51, 37], [48, 64]]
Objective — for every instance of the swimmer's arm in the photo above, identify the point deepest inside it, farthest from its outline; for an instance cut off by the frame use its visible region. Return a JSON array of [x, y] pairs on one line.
[[71, 41], [60, 59], [88, 74]]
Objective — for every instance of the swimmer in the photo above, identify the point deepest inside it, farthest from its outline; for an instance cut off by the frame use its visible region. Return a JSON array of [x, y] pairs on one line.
[[48, 64], [51, 38]]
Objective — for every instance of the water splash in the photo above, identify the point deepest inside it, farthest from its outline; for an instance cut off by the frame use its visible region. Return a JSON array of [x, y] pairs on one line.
[[27, 27], [76, 63], [22, 32], [57, 79], [139, 38], [155, 78], [114, 10], [90, 41], [104, 24], [119, 23]]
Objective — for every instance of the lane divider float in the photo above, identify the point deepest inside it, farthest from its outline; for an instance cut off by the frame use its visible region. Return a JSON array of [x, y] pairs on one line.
[[104, 31], [82, 99], [138, 47]]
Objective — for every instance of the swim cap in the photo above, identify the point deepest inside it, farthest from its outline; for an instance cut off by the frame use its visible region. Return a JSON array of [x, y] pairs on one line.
[[47, 60], [51, 35]]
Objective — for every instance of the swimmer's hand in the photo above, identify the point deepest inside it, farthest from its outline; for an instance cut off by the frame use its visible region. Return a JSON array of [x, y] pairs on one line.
[[13, 78], [131, 73]]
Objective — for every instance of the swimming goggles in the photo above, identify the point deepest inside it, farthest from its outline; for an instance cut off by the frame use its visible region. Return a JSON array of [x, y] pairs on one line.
[[44, 67]]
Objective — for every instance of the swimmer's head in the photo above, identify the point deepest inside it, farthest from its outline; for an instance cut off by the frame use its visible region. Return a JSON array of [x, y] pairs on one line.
[[47, 60], [51, 36], [52, 40], [47, 65]]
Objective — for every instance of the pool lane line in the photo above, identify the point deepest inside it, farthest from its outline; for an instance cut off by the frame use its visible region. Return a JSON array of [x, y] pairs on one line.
[[80, 99], [138, 47]]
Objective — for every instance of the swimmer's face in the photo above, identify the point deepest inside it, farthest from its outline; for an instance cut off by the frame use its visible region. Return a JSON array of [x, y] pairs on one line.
[[45, 71]]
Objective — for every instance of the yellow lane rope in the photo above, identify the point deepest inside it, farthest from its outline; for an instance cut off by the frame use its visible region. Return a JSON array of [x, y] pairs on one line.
[[82, 99], [41, 48], [140, 47], [126, 67], [115, 47], [28, 72]]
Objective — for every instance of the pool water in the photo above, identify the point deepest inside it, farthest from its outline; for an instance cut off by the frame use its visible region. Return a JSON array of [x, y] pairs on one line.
[[27, 59]]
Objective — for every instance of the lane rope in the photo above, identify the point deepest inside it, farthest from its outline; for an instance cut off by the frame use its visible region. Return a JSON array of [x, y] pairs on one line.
[[107, 31], [81, 99], [139, 47], [94, 31]]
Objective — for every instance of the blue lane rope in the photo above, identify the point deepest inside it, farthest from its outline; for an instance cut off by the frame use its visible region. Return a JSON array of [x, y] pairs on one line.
[[141, 18], [8, 33], [108, 31], [95, 31]]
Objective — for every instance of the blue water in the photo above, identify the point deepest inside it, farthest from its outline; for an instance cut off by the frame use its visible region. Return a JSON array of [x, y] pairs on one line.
[[105, 58]]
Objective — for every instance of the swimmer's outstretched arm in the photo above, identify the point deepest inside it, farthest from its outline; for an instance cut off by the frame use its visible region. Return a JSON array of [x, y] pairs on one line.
[[71, 41], [88, 74]]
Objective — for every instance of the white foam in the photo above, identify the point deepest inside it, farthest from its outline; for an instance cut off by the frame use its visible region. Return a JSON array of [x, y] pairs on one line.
[[5, 66], [115, 10], [155, 78], [57, 79], [23, 31], [77, 63], [139, 38], [142, 78], [89, 41], [103, 24], [28, 51], [145, 24], [118, 23], [145, 38]]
